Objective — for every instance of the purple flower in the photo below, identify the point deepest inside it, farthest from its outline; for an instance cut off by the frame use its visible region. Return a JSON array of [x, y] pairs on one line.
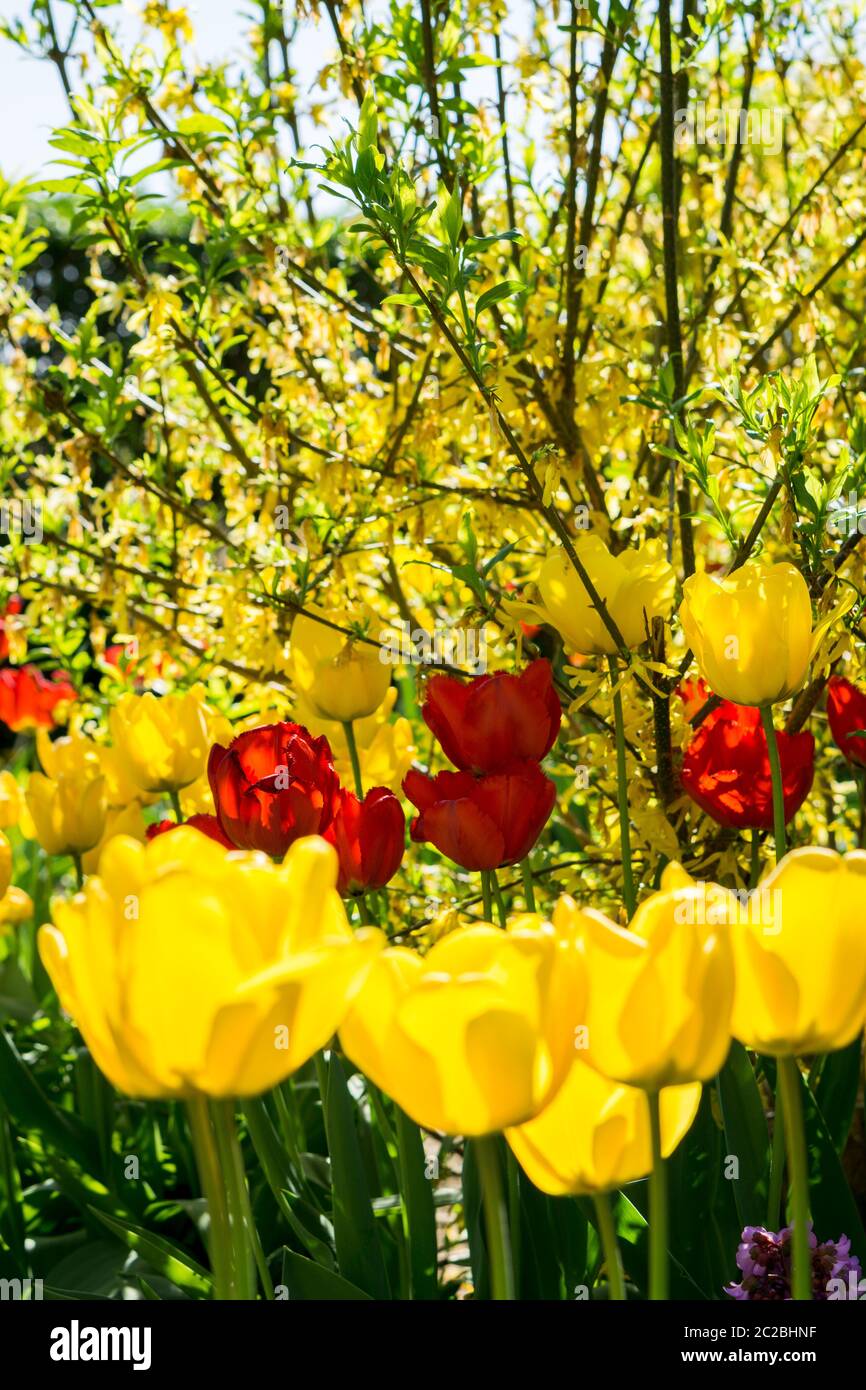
[[764, 1259]]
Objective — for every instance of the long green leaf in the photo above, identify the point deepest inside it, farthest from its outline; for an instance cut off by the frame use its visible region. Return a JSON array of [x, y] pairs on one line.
[[417, 1193], [166, 1258], [746, 1135], [359, 1253], [309, 1282]]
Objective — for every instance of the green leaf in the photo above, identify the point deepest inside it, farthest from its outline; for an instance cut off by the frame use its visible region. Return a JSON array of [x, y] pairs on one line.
[[417, 1194], [834, 1210], [836, 1092], [504, 290], [166, 1258], [368, 123], [17, 999], [308, 1282], [359, 1253], [31, 1108], [746, 1134]]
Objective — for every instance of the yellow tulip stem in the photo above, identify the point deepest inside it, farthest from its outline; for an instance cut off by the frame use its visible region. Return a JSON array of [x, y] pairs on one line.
[[528, 887], [658, 1208], [243, 1235], [79, 871], [798, 1177], [496, 1218], [776, 779], [213, 1190], [486, 896], [349, 731], [622, 791], [174, 798], [609, 1246]]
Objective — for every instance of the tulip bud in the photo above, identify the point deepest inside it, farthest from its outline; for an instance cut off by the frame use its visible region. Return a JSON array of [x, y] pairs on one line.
[[342, 677], [751, 632]]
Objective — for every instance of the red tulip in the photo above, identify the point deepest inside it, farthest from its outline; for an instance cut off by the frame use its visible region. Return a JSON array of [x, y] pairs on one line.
[[272, 785], [369, 837], [28, 699], [846, 711], [208, 825], [726, 768], [481, 822], [489, 722]]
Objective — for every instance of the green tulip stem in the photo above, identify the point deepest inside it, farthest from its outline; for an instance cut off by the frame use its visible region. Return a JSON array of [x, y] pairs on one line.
[[496, 1218], [213, 1190], [622, 791], [528, 889], [658, 1208], [501, 909], [486, 895], [798, 1176], [244, 1237], [349, 731], [174, 798], [79, 871], [755, 859], [777, 1164], [776, 777], [609, 1246]]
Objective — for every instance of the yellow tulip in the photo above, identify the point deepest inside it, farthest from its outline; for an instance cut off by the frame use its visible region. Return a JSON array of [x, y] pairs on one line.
[[15, 906], [192, 970], [477, 1035], [800, 955], [68, 813], [161, 742], [341, 678], [751, 633], [72, 756], [595, 1135], [11, 800], [636, 586], [661, 992], [119, 820], [386, 748], [5, 863]]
